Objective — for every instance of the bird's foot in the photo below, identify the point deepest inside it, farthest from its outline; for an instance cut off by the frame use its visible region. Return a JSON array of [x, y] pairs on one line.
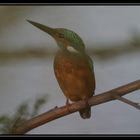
[[86, 103], [67, 102], [68, 105]]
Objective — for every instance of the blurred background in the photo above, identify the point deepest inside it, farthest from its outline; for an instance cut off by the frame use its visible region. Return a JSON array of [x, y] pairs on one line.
[[112, 38]]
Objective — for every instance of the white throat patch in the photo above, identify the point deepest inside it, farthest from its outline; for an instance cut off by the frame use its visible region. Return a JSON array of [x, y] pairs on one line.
[[71, 49]]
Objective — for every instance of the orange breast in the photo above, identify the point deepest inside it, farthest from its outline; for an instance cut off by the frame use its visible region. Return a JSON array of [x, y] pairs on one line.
[[74, 75]]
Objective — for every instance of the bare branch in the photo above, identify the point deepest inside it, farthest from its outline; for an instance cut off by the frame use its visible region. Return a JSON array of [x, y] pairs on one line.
[[136, 105], [58, 112]]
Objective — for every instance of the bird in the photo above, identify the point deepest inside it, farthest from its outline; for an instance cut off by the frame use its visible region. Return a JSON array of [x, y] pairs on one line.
[[73, 67]]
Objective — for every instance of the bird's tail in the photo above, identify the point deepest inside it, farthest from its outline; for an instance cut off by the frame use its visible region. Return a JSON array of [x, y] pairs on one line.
[[85, 113]]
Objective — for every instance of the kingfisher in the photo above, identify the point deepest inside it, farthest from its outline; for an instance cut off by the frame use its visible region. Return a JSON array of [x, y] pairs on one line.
[[73, 67]]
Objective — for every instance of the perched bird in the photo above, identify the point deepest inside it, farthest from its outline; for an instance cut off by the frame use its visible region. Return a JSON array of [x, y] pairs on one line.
[[73, 68]]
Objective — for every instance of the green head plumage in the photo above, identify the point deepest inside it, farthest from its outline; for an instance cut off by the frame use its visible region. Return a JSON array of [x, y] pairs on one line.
[[63, 37]]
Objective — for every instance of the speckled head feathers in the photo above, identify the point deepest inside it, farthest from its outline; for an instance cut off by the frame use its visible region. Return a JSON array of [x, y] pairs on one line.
[[63, 37]]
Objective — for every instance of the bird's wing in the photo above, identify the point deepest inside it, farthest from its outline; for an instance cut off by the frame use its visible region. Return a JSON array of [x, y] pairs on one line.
[[90, 62]]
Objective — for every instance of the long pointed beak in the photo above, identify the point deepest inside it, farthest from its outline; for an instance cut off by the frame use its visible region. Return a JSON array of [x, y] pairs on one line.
[[44, 28]]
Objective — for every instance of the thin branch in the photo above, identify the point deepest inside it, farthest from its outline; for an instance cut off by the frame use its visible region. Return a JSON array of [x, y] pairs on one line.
[[58, 112], [136, 105]]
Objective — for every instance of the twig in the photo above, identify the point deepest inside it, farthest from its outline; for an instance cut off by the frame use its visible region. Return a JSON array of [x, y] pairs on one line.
[[58, 112], [136, 105]]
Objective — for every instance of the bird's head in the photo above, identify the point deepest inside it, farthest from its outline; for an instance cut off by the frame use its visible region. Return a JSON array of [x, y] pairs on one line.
[[64, 38]]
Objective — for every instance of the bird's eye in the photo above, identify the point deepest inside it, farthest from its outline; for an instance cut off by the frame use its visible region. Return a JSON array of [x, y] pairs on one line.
[[60, 35]]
